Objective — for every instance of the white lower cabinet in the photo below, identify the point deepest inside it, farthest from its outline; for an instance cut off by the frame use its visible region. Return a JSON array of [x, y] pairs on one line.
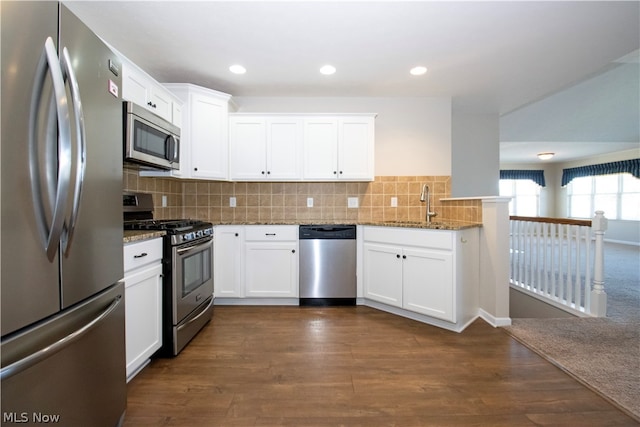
[[382, 272], [228, 262], [430, 272], [427, 282], [143, 302], [271, 261]]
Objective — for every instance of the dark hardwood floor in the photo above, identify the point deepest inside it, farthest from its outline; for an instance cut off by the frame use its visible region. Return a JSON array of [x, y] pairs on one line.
[[356, 366]]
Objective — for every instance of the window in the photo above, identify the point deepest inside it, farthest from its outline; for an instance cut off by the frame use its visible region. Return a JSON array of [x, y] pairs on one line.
[[617, 195], [525, 196]]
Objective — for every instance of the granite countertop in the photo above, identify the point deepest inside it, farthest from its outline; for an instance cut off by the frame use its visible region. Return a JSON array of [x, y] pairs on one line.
[[137, 235], [436, 225]]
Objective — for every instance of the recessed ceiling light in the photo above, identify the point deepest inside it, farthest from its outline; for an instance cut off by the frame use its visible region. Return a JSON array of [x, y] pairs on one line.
[[237, 69], [418, 71], [327, 70]]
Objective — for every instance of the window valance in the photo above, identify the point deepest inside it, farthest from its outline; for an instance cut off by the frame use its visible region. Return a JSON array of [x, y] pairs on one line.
[[536, 176], [623, 166]]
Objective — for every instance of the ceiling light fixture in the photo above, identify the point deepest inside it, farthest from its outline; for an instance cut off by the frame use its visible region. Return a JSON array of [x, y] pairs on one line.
[[327, 70], [545, 156], [418, 71], [237, 69]]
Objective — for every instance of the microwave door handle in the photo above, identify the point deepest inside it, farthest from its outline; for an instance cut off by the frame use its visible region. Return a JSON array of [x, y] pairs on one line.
[[81, 148], [171, 149], [50, 232], [176, 149], [168, 148]]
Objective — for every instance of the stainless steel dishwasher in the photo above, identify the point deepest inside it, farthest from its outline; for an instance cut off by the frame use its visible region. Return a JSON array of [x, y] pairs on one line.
[[327, 265]]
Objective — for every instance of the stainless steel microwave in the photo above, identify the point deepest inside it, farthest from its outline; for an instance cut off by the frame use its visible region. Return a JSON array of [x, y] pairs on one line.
[[149, 139]]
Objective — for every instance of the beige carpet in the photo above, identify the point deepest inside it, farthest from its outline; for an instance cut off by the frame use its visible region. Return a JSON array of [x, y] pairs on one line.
[[602, 353]]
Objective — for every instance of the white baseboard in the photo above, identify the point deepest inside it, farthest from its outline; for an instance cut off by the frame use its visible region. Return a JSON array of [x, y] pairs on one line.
[[496, 322]]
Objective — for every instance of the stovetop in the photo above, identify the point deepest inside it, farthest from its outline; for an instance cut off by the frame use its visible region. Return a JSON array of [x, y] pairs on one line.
[[168, 225]]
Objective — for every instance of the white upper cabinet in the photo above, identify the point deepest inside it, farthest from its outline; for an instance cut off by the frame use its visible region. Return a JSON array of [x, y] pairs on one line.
[[265, 148], [140, 88], [339, 148], [204, 137]]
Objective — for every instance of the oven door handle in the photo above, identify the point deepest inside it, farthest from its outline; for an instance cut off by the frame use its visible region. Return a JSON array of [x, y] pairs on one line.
[[184, 325], [194, 248]]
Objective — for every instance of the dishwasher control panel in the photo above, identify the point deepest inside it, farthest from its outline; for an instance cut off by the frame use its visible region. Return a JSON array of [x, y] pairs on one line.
[[328, 231]]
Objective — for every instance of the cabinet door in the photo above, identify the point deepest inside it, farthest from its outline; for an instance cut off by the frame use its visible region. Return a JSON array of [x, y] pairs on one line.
[[228, 257], [161, 103], [176, 115], [383, 274], [320, 149], [136, 87], [208, 137], [355, 148], [143, 316], [248, 145], [284, 149], [428, 283], [271, 269]]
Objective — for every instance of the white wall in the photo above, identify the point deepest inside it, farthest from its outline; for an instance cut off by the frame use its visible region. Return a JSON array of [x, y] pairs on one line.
[[475, 155], [413, 135]]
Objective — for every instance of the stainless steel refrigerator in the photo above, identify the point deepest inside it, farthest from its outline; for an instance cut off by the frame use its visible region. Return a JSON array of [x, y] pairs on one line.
[[62, 318]]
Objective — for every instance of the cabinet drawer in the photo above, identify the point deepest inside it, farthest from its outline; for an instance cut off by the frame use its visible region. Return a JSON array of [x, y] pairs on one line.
[[271, 232], [437, 239], [139, 254]]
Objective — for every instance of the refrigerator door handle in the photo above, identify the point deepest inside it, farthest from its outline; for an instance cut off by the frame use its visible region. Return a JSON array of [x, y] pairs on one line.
[[81, 149], [50, 232], [50, 350]]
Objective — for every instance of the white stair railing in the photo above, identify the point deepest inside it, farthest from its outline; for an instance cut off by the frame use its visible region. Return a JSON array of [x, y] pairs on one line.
[[553, 260]]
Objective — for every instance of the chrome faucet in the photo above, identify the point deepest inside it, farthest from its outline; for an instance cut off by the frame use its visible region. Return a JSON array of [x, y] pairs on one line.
[[424, 197]]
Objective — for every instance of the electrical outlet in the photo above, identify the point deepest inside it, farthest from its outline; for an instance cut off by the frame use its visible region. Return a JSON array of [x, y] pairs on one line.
[[309, 202], [394, 202], [232, 202], [352, 202], [164, 201]]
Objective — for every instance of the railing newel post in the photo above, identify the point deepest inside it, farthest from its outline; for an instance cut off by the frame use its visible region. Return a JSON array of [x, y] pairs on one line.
[[598, 306]]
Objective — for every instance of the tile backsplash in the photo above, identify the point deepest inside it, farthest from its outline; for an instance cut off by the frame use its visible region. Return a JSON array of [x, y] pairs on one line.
[[287, 201]]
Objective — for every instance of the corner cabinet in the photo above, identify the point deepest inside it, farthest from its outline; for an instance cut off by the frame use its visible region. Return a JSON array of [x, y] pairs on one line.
[[143, 302], [204, 137], [433, 273], [265, 148], [339, 148]]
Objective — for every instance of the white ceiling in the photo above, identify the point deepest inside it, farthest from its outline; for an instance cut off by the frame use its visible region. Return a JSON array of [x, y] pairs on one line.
[[496, 57]]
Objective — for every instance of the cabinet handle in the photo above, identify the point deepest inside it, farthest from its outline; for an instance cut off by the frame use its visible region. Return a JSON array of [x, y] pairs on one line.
[[404, 257], [335, 172], [262, 172], [398, 256], [340, 172], [151, 104], [269, 234], [268, 172], [463, 240], [195, 169], [293, 251], [236, 234], [142, 255]]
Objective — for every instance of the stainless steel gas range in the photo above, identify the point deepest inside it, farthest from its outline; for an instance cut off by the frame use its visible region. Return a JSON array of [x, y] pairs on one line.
[[187, 269]]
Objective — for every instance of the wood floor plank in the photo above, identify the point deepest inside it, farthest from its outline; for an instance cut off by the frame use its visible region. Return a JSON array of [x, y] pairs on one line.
[[356, 366]]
